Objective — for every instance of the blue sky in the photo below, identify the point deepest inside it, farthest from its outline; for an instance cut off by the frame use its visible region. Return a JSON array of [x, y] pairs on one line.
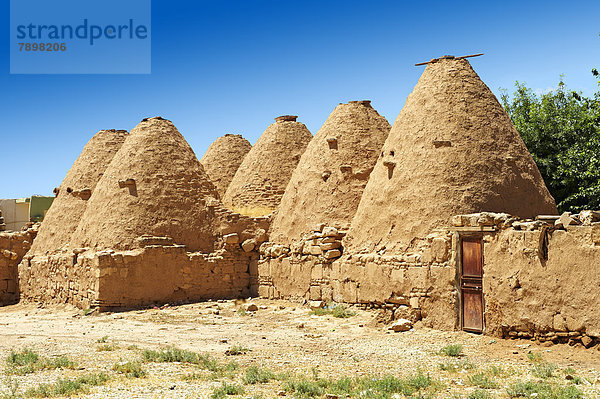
[[232, 66]]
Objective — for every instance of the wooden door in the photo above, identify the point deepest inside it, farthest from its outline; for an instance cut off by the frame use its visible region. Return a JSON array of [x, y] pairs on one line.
[[471, 284]]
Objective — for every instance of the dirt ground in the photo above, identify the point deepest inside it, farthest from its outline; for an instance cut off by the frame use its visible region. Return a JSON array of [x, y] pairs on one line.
[[283, 337]]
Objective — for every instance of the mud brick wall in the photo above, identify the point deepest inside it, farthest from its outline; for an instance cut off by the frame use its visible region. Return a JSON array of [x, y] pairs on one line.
[[60, 278], [13, 246], [557, 299], [169, 274], [152, 275]]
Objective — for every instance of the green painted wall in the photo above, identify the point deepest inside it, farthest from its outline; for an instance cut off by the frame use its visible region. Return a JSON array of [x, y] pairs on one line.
[[38, 207]]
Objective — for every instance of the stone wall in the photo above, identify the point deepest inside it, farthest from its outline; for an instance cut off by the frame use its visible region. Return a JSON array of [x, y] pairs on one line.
[[416, 285], [155, 274], [541, 278], [13, 246]]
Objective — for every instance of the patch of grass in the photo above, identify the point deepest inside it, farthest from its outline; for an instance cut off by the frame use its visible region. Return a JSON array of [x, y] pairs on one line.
[[194, 377], [171, 355], [88, 311], [12, 388], [27, 362], [176, 355], [133, 347], [481, 380], [543, 370], [130, 369], [543, 390], [339, 311], [228, 370], [367, 387], [242, 312], [453, 366], [256, 375], [227, 389], [535, 357], [106, 347], [102, 340], [306, 388], [498, 371], [23, 358], [452, 350], [67, 387], [236, 350], [479, 394]]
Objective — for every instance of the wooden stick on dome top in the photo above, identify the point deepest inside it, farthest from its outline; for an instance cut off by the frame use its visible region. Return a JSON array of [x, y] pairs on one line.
[[448, 57]]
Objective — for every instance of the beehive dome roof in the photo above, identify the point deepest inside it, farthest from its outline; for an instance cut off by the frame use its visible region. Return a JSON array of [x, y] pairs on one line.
[[261, 179], [73, 194], [154, 186], [223, 158], [329, 180], [452, 150]]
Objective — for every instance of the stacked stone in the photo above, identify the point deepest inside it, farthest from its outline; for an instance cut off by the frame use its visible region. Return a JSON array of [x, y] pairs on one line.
[[324, 243], [2, 224]]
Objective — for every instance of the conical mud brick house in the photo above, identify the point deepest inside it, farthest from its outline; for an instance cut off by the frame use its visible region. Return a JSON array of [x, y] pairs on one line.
[[223, 158], [452, 150], [328, 183], [154, 186], [261, 179], [72, 196], [153, 231]]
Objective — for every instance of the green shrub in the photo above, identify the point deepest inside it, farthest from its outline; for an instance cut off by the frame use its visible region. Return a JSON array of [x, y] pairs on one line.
[[68, 387], [256, 375], [543, 390], [453, 350], [479, 394], [172, 355], [543, 370], [130, 369], [339, 311], [227, 389], [482, 381], [106, 347], [23, 358], [26, 362]]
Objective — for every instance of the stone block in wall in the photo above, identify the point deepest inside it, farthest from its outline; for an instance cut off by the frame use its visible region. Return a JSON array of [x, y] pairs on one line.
[[330, 245], [326, 292], [315, 293], [332, 254], [417, 276], [316, 272], [559, 323], [440, 249]]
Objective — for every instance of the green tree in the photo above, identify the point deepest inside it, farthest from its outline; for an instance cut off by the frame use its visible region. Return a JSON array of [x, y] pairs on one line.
[[562, 131]]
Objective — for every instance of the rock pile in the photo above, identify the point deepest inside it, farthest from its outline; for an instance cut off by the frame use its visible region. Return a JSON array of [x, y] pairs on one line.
[[2, 224], [323, 244], [223, 158], [261, 179]]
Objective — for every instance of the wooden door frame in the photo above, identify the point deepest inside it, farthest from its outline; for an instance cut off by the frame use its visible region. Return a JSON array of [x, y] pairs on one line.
[[461, 236]]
